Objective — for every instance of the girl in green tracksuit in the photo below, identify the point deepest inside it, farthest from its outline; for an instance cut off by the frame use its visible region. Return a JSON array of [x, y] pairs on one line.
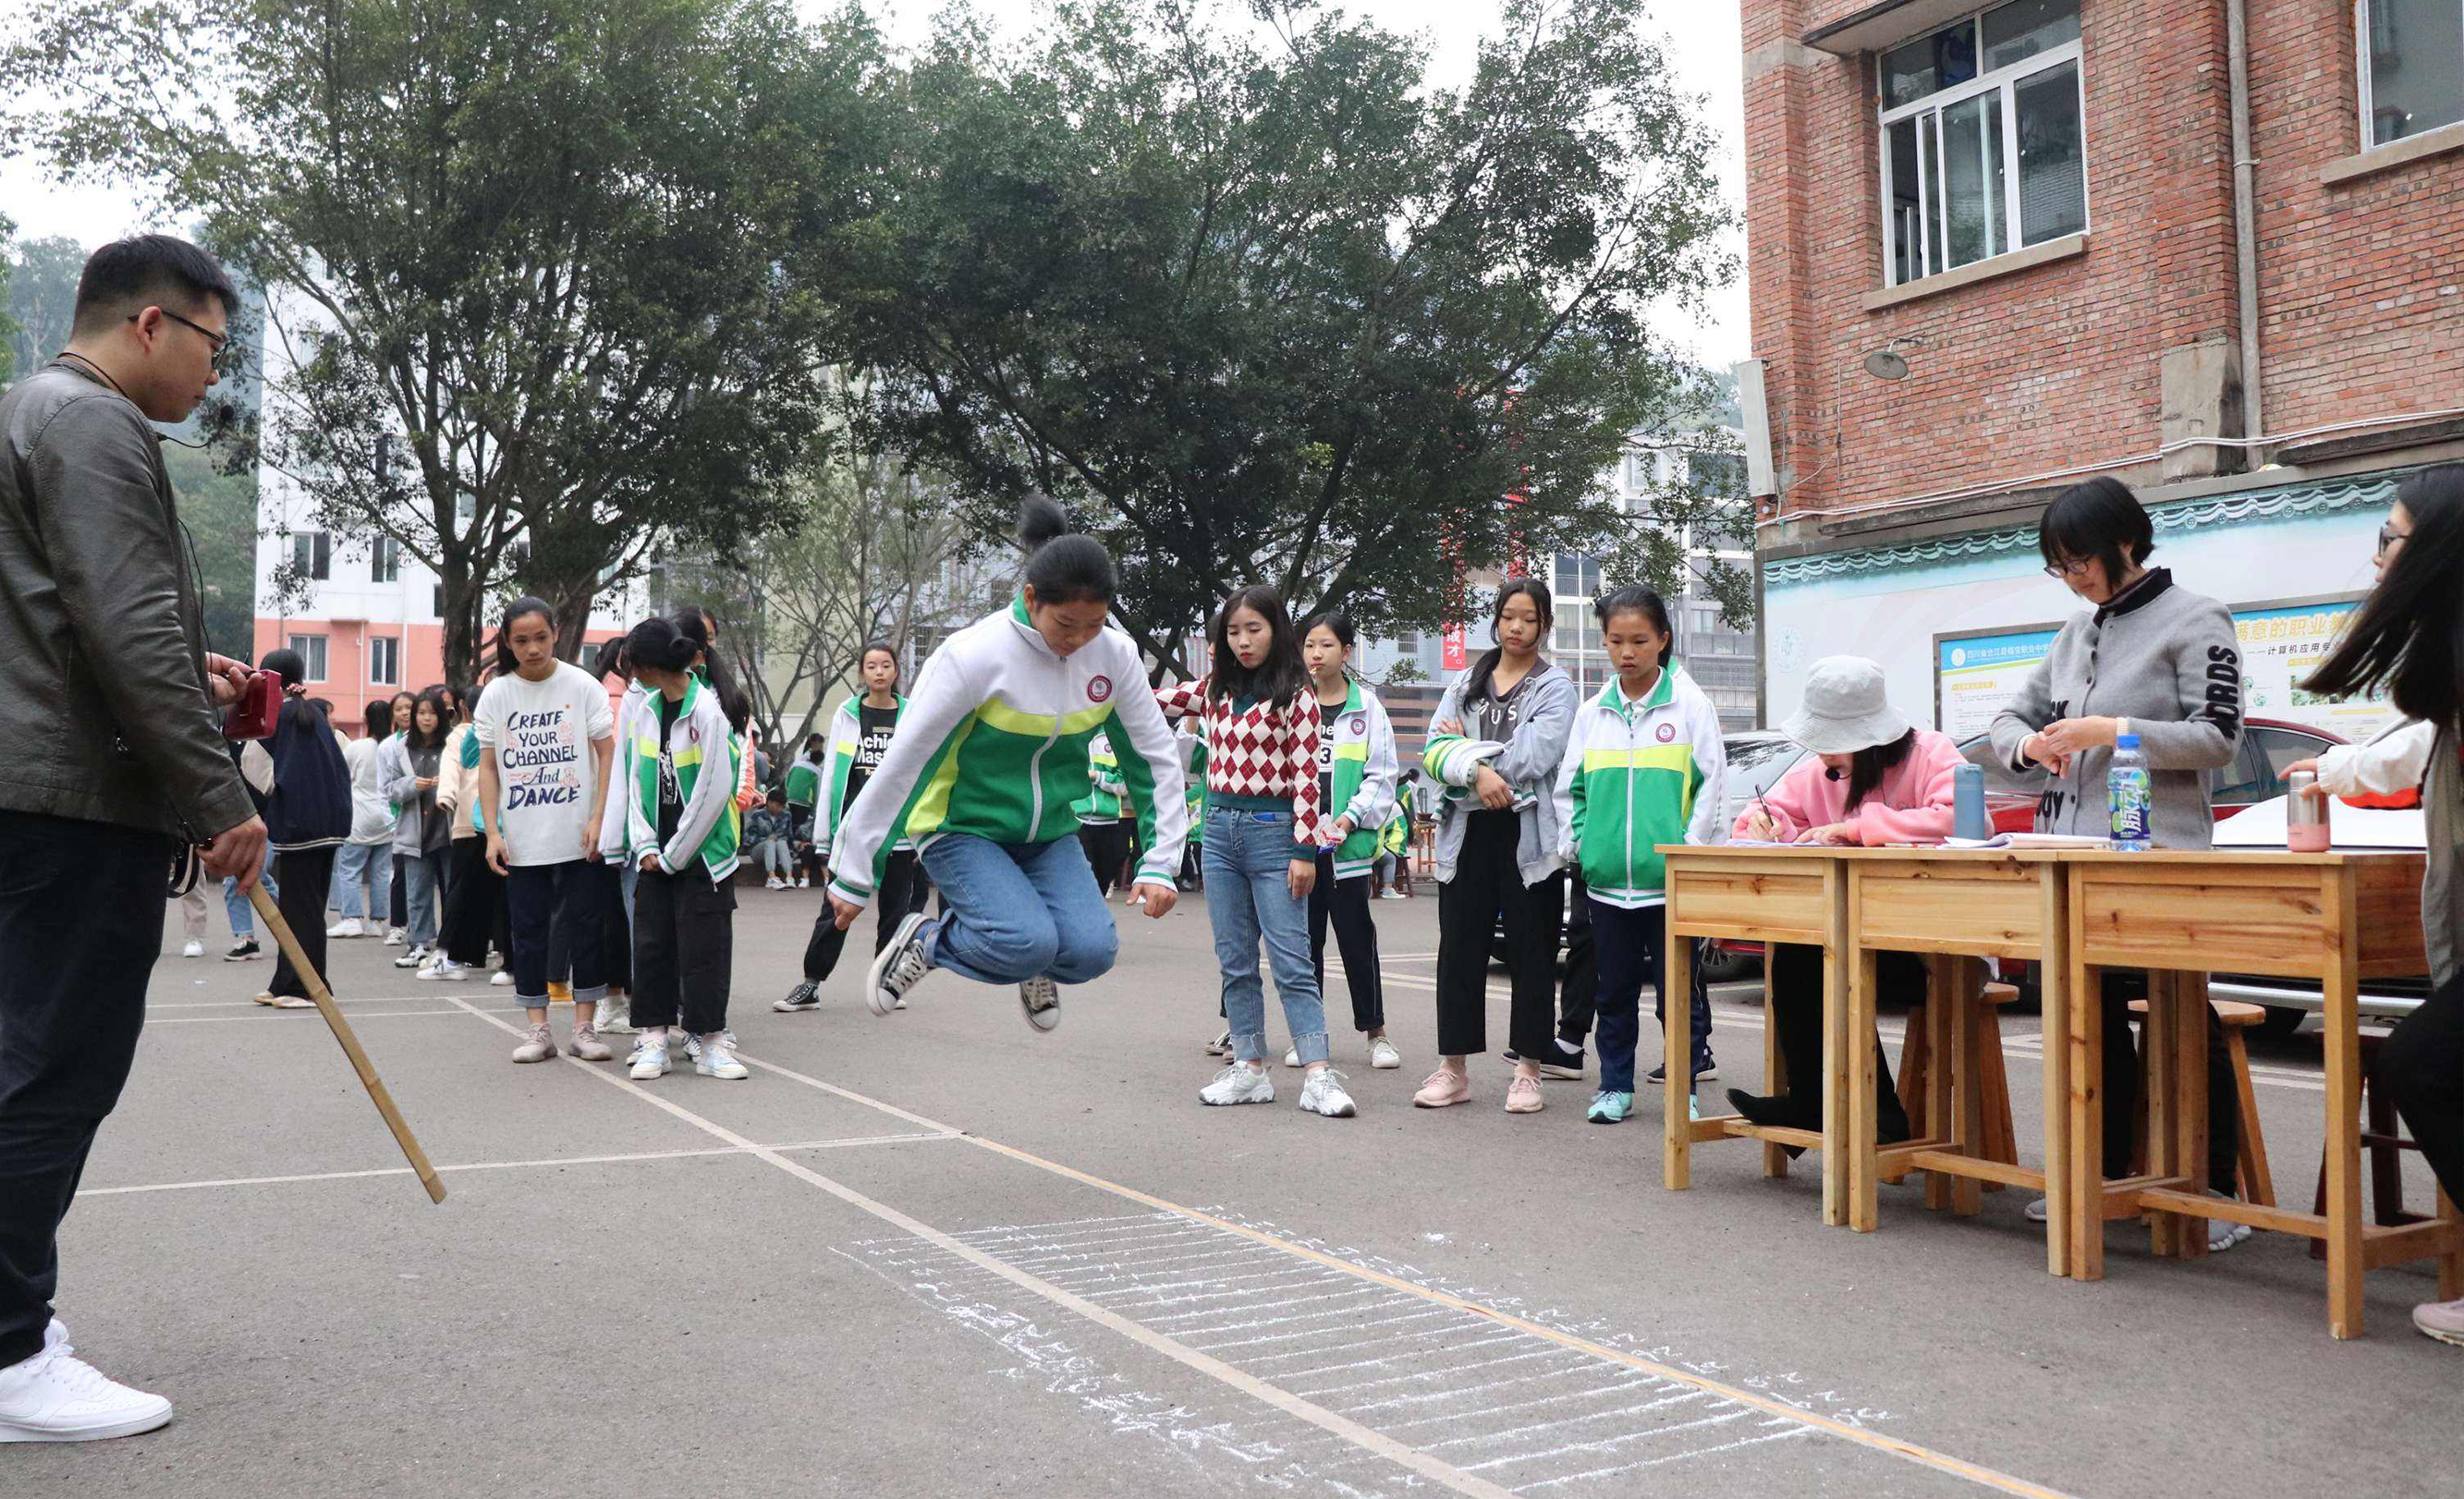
[[860, 736], [676, 772], [990, 754], [1356, 773], [1643, 767], [1100, 829]]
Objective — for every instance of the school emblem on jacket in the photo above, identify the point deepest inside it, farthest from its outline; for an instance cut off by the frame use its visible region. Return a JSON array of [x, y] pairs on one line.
[[1359, 724], [1667, 731], [1098, 688]]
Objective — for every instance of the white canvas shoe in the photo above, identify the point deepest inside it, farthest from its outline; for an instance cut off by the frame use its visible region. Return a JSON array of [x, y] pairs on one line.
[[58, 1397]]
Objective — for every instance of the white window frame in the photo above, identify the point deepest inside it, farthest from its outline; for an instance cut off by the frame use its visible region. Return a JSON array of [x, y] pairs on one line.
[[314, 655], [387, 645], [2362, 76], [2003, 81], [380, 551]]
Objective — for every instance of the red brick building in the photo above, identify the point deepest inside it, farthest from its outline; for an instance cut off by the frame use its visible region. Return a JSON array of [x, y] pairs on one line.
[[1996, 249]]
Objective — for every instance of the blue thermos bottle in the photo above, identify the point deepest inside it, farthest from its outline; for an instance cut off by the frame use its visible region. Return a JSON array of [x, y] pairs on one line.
[[1967, 804]]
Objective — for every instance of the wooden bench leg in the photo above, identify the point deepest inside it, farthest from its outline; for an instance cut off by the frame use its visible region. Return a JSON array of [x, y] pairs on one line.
[[1961, 989], [2257, 1185], [2001, 1140]]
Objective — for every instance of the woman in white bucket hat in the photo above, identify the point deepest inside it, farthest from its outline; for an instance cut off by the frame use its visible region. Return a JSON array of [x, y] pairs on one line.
[[1871, 779]]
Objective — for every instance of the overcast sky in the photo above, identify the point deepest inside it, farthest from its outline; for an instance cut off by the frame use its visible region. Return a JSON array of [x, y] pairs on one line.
[[1702, 44]]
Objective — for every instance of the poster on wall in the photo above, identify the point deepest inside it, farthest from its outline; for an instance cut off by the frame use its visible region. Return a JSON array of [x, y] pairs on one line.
[[1450, 649], [1975, 675]]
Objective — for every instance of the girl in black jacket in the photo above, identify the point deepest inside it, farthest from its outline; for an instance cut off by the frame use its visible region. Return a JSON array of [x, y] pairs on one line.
[[307, 790]]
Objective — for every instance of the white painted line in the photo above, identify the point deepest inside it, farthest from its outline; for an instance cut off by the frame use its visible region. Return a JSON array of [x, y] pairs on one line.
[[1570, 1420], [1410, 1458], [1318, 1332], [346, 1004], [1674, 1457], [1450, 1395], [1609, 1444], [1137, 1288], [502, 1165], [979, 1235], [1217, 1311], [1546, 1399], [1389, 1360], [1244, 1253], [1469, 1325], [1427, 1374], [211, 1020]]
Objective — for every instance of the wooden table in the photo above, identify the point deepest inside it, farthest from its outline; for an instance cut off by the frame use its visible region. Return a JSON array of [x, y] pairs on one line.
[[2336, 917], [1853, 903]]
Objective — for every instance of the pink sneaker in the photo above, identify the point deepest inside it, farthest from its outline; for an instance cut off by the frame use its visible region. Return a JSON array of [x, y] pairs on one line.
[[1523, 1095], [2443, 1320], [1442, 1087]]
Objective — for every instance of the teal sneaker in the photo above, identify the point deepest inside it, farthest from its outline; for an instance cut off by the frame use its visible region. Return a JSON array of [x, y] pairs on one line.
[[1608, 1108]]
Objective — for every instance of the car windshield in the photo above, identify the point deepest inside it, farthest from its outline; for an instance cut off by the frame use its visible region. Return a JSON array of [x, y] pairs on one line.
[[1754, 764]]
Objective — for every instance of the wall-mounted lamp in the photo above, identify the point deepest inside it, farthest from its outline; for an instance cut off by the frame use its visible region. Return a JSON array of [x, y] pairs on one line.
[[1885, 362]]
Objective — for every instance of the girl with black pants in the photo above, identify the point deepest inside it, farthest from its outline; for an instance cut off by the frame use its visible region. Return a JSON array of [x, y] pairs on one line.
[[1356, 778], [860, 734], [307, 817], [2408, 640]]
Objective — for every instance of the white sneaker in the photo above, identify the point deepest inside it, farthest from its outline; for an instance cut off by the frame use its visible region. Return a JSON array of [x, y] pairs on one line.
[[774, 882], [1291, 1056], [2223, 1235], [1393, 894], [1383, 1054], [616, 1015], [1220, 1047], [538, 1045], [900, 967], [1040, 998], [193, 948], [1323, 1094], [2035, 1212], [56, 1397], [803, 882], [650, 1057], [504, 979], [416, 957], [348, 926], [445, 970], [1238, 1082], [395, 937], [715, 1057]]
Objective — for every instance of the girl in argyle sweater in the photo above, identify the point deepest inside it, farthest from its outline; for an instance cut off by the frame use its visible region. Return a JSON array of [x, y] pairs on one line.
[[1264, 829]]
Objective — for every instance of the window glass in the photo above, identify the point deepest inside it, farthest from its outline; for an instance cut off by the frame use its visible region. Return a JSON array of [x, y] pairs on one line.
[[1972, 180], [1930, 64], [1906, 234], [1929, 155], [2415, 50], [2018, 31], [2053, 171]]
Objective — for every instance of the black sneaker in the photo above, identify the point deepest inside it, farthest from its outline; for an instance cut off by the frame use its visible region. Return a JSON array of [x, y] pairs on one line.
[[1040, 998], [805, 995], [1563, 1064], [1705, 1071], [900, 966], [242, 952], [1773, 1113]]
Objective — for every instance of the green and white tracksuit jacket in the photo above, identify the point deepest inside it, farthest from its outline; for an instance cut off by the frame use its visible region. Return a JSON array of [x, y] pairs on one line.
[[1101, 806], [803, 786], [701, 754], [845, 736], [1356, 746], [994, 744], [1638, 775], [1193, 766]]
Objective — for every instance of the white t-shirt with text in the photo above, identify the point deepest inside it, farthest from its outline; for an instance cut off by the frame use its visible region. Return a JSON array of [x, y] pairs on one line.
[[541, 735]]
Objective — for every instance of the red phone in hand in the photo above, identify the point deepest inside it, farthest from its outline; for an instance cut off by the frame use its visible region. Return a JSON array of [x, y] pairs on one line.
[[258, 708]]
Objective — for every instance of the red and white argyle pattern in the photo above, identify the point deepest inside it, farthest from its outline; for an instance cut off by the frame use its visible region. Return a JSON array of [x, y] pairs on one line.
[[1269, 751]]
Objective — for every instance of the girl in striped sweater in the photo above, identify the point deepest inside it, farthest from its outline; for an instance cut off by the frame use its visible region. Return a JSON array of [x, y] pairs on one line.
[[1265, 827]]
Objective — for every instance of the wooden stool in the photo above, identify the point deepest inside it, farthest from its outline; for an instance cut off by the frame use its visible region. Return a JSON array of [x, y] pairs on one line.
[[1995, 1083], [2383, 1138], [2257, 1185]]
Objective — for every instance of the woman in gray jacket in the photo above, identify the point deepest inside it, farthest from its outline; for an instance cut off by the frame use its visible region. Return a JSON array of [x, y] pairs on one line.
[[2410, 638], [410, 765], [1496, 740], [2160, 661]]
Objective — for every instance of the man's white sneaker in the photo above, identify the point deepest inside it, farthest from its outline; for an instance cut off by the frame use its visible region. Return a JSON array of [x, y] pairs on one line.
[[395, 937], [1040, 998], [348, 926], [650, 1057], [193, 948], [58, 1397], [1238, 1082], [445, 970], [1323, 1094], [715, 1057], [1383, 1054], [503, 980], [902, 965]]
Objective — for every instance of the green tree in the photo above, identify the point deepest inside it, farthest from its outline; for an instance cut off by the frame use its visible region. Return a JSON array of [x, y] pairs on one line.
[[9, 330], [1286, 314], [41, 301], [220, 510], [526, 315]]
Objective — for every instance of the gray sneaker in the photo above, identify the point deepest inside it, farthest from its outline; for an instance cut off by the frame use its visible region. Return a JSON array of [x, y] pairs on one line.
[[2443, 1320], [538, 1046], [900, 967], [1238, 1082], [587, 1045], [1040, 998], [1323, 1094]]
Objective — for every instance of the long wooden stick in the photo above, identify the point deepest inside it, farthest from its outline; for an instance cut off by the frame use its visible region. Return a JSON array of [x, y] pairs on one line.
[[272, 916]]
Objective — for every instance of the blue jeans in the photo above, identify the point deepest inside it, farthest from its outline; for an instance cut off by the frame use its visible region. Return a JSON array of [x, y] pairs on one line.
[[243, 916], [422, 871], [375, 862], [772, 854], [1632, 946], [1011, 911], [1249, 861]]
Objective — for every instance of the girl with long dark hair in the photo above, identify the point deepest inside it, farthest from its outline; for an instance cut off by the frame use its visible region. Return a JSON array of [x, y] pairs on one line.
[[1356, 778], [546, 735], [989, 754], [1496, 740], [2409, 641], [363, 865], [307, 790], [412, 766], [859, 739]]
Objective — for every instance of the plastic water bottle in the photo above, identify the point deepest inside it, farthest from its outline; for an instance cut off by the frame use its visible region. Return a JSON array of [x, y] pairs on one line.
[[1967, 804], [2128, 795]]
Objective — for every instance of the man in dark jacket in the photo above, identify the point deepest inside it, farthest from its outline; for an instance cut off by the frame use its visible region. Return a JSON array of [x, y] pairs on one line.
[[115, 763]]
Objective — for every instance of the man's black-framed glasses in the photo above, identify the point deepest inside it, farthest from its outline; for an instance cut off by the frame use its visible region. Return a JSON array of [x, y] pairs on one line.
[[216, 340]]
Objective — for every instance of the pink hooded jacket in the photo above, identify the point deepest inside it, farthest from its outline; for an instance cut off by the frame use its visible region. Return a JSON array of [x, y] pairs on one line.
[[1912, 805]]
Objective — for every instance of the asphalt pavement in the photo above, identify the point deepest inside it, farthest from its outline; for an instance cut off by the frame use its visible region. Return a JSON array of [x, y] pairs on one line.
[[939, 1253]]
